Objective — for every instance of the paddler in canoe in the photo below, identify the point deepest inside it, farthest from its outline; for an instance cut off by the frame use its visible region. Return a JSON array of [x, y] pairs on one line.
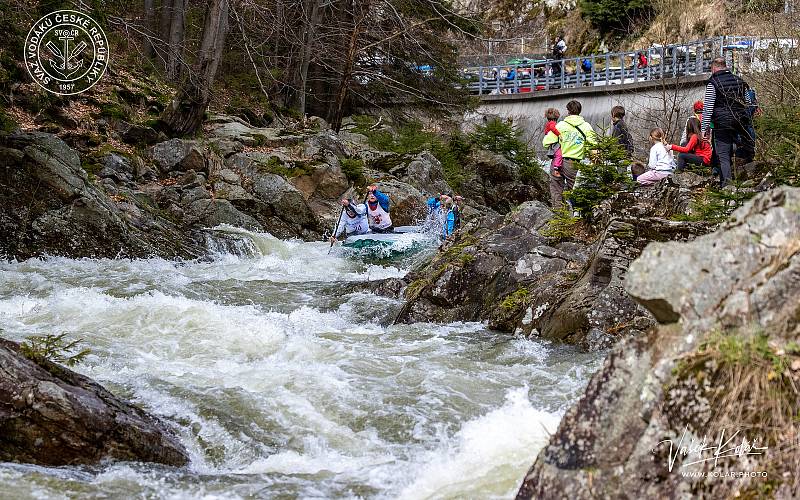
[[378, 211], [352, 221]]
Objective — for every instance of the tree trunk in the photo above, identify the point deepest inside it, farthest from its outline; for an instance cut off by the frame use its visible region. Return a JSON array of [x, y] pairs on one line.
[[175, 57], [185, 114], [347, 69], [165, 21], [150, 28], [313, 19]]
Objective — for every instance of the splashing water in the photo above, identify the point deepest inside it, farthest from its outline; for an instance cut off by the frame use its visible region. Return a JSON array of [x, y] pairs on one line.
[[277, 372]]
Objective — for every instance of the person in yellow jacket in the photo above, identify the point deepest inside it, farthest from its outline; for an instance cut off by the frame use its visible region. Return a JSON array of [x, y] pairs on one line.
[[575, 137]]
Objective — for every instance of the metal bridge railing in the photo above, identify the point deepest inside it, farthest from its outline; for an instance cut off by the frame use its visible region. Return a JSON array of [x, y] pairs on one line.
[[669, 61]]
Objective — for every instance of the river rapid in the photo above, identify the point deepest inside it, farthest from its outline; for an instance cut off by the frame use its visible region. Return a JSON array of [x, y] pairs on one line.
[[281, 377]]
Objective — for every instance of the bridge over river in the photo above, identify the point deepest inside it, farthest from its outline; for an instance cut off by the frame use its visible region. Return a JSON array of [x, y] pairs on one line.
[[659, 93]]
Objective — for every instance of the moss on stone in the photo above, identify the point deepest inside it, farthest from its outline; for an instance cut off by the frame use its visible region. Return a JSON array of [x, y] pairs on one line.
[[515, 300], [274, 165]]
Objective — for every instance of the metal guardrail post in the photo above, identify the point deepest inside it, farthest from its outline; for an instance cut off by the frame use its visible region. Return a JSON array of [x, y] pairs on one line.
[[608, 63], [649, 63], [591, 76], [636, 68], [480, 80]]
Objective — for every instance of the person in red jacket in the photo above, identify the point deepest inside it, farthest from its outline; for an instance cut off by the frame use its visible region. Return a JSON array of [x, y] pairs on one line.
[[697, 150], [554, 150]]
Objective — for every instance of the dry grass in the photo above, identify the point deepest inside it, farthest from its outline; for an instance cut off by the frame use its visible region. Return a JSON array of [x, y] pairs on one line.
[[752, 384]]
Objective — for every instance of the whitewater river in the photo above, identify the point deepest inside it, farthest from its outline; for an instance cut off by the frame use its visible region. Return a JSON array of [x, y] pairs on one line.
[[283, 380]]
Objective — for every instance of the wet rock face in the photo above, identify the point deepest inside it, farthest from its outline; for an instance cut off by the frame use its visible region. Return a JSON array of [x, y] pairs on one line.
[[50, 415], [49, 205], [740, 283]]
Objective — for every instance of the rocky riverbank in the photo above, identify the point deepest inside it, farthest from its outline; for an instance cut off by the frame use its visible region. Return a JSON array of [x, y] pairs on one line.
[[724, 358], [510, 271], [50, 415]]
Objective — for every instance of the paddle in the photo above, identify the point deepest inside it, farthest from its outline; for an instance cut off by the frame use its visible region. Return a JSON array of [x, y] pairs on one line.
[[338, 221], [336, 229]]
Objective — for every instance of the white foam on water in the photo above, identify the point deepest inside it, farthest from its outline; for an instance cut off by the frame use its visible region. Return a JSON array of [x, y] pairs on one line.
[[488, 456], [273, 395]]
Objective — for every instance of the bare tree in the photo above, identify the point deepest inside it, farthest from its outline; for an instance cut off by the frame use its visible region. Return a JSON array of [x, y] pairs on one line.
[[312, 18], [185, 114], [176, 35], [149, 19]]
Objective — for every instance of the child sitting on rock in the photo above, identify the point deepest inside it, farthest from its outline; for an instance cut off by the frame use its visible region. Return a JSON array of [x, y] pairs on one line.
[[661, 163]]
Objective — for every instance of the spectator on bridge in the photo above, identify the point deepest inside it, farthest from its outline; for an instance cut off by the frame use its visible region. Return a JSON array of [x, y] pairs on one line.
[[697, 150], [586, 69], [697, 112], [726, 103], [641, 60], [574, 135], [661, 163], [620, 129], [559, 50]]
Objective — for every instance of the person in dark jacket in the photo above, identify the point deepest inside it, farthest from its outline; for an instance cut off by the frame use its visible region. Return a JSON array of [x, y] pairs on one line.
[[725, 104], [620, 129]]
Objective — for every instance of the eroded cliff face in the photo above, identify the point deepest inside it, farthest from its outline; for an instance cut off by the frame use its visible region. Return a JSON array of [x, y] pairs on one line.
[[725, 358]]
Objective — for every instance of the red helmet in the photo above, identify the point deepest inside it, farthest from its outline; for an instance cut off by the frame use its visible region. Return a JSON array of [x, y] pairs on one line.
[[698, 106]]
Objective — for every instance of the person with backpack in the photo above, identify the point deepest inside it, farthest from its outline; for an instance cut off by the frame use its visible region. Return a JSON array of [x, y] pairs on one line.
[[697, 150], [726, 102], [575, 136]]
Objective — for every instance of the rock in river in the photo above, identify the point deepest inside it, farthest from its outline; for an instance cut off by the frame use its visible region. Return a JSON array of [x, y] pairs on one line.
[[50, 415]]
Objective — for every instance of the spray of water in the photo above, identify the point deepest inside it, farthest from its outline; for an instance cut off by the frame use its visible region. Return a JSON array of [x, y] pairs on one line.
[[275, 371]]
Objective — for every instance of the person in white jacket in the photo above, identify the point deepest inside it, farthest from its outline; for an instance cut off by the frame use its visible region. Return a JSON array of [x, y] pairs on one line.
[[353, 220], [661, 162]]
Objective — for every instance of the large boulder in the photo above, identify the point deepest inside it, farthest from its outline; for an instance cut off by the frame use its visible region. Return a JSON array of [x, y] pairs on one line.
[[723, 365], [49, 206], [251, 136], [492, 265], [280, 206], [52, 416], [178, 154], [213, 212], [424, 172]]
